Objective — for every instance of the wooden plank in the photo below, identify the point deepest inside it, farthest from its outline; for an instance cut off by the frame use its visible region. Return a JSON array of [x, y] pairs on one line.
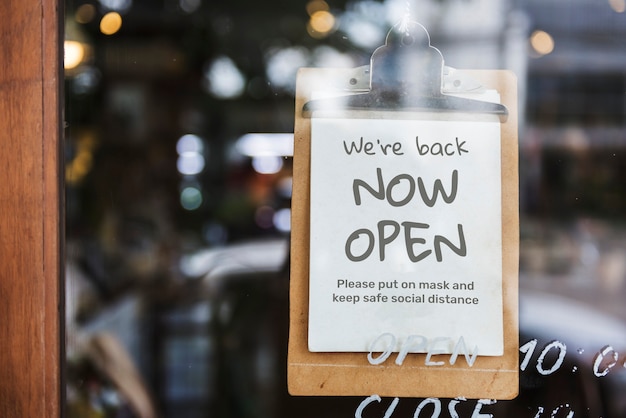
[[54, 214], [30, 237]]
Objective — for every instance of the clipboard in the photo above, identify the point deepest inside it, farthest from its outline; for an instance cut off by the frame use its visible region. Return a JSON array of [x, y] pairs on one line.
[[395, 90]]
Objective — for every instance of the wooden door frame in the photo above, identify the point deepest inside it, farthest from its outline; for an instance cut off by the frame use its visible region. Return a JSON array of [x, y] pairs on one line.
[[31, 209]]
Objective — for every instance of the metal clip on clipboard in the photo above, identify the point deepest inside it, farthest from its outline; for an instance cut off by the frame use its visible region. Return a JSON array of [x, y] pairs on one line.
[[406, 73]]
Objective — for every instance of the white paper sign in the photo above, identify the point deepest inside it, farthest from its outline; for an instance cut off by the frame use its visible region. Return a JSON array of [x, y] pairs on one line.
[[405, 229]]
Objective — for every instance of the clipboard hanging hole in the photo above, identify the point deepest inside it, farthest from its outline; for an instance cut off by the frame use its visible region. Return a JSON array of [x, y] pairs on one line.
[[407, 40]]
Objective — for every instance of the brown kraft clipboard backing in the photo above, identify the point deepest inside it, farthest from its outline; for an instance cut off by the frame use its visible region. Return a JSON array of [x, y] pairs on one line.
[[350, 374]]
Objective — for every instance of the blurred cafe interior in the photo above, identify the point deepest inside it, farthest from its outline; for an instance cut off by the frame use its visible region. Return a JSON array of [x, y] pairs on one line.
[[179, 120]]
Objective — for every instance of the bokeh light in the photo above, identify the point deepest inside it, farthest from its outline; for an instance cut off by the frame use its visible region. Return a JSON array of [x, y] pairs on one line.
[[321, 24], [190, 6], [190, 163], [111, 23], [264, 217], [282, 220], [223, 79], [265, 144], [191, 198], [618, 6], [74, 53], [267, 164], [315, 6], [283, 65], [542, 42], [85, 13], [116, 5], [189, 143]]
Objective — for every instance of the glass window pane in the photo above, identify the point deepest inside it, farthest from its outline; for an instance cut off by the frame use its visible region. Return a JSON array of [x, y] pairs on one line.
[[179, 143]]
